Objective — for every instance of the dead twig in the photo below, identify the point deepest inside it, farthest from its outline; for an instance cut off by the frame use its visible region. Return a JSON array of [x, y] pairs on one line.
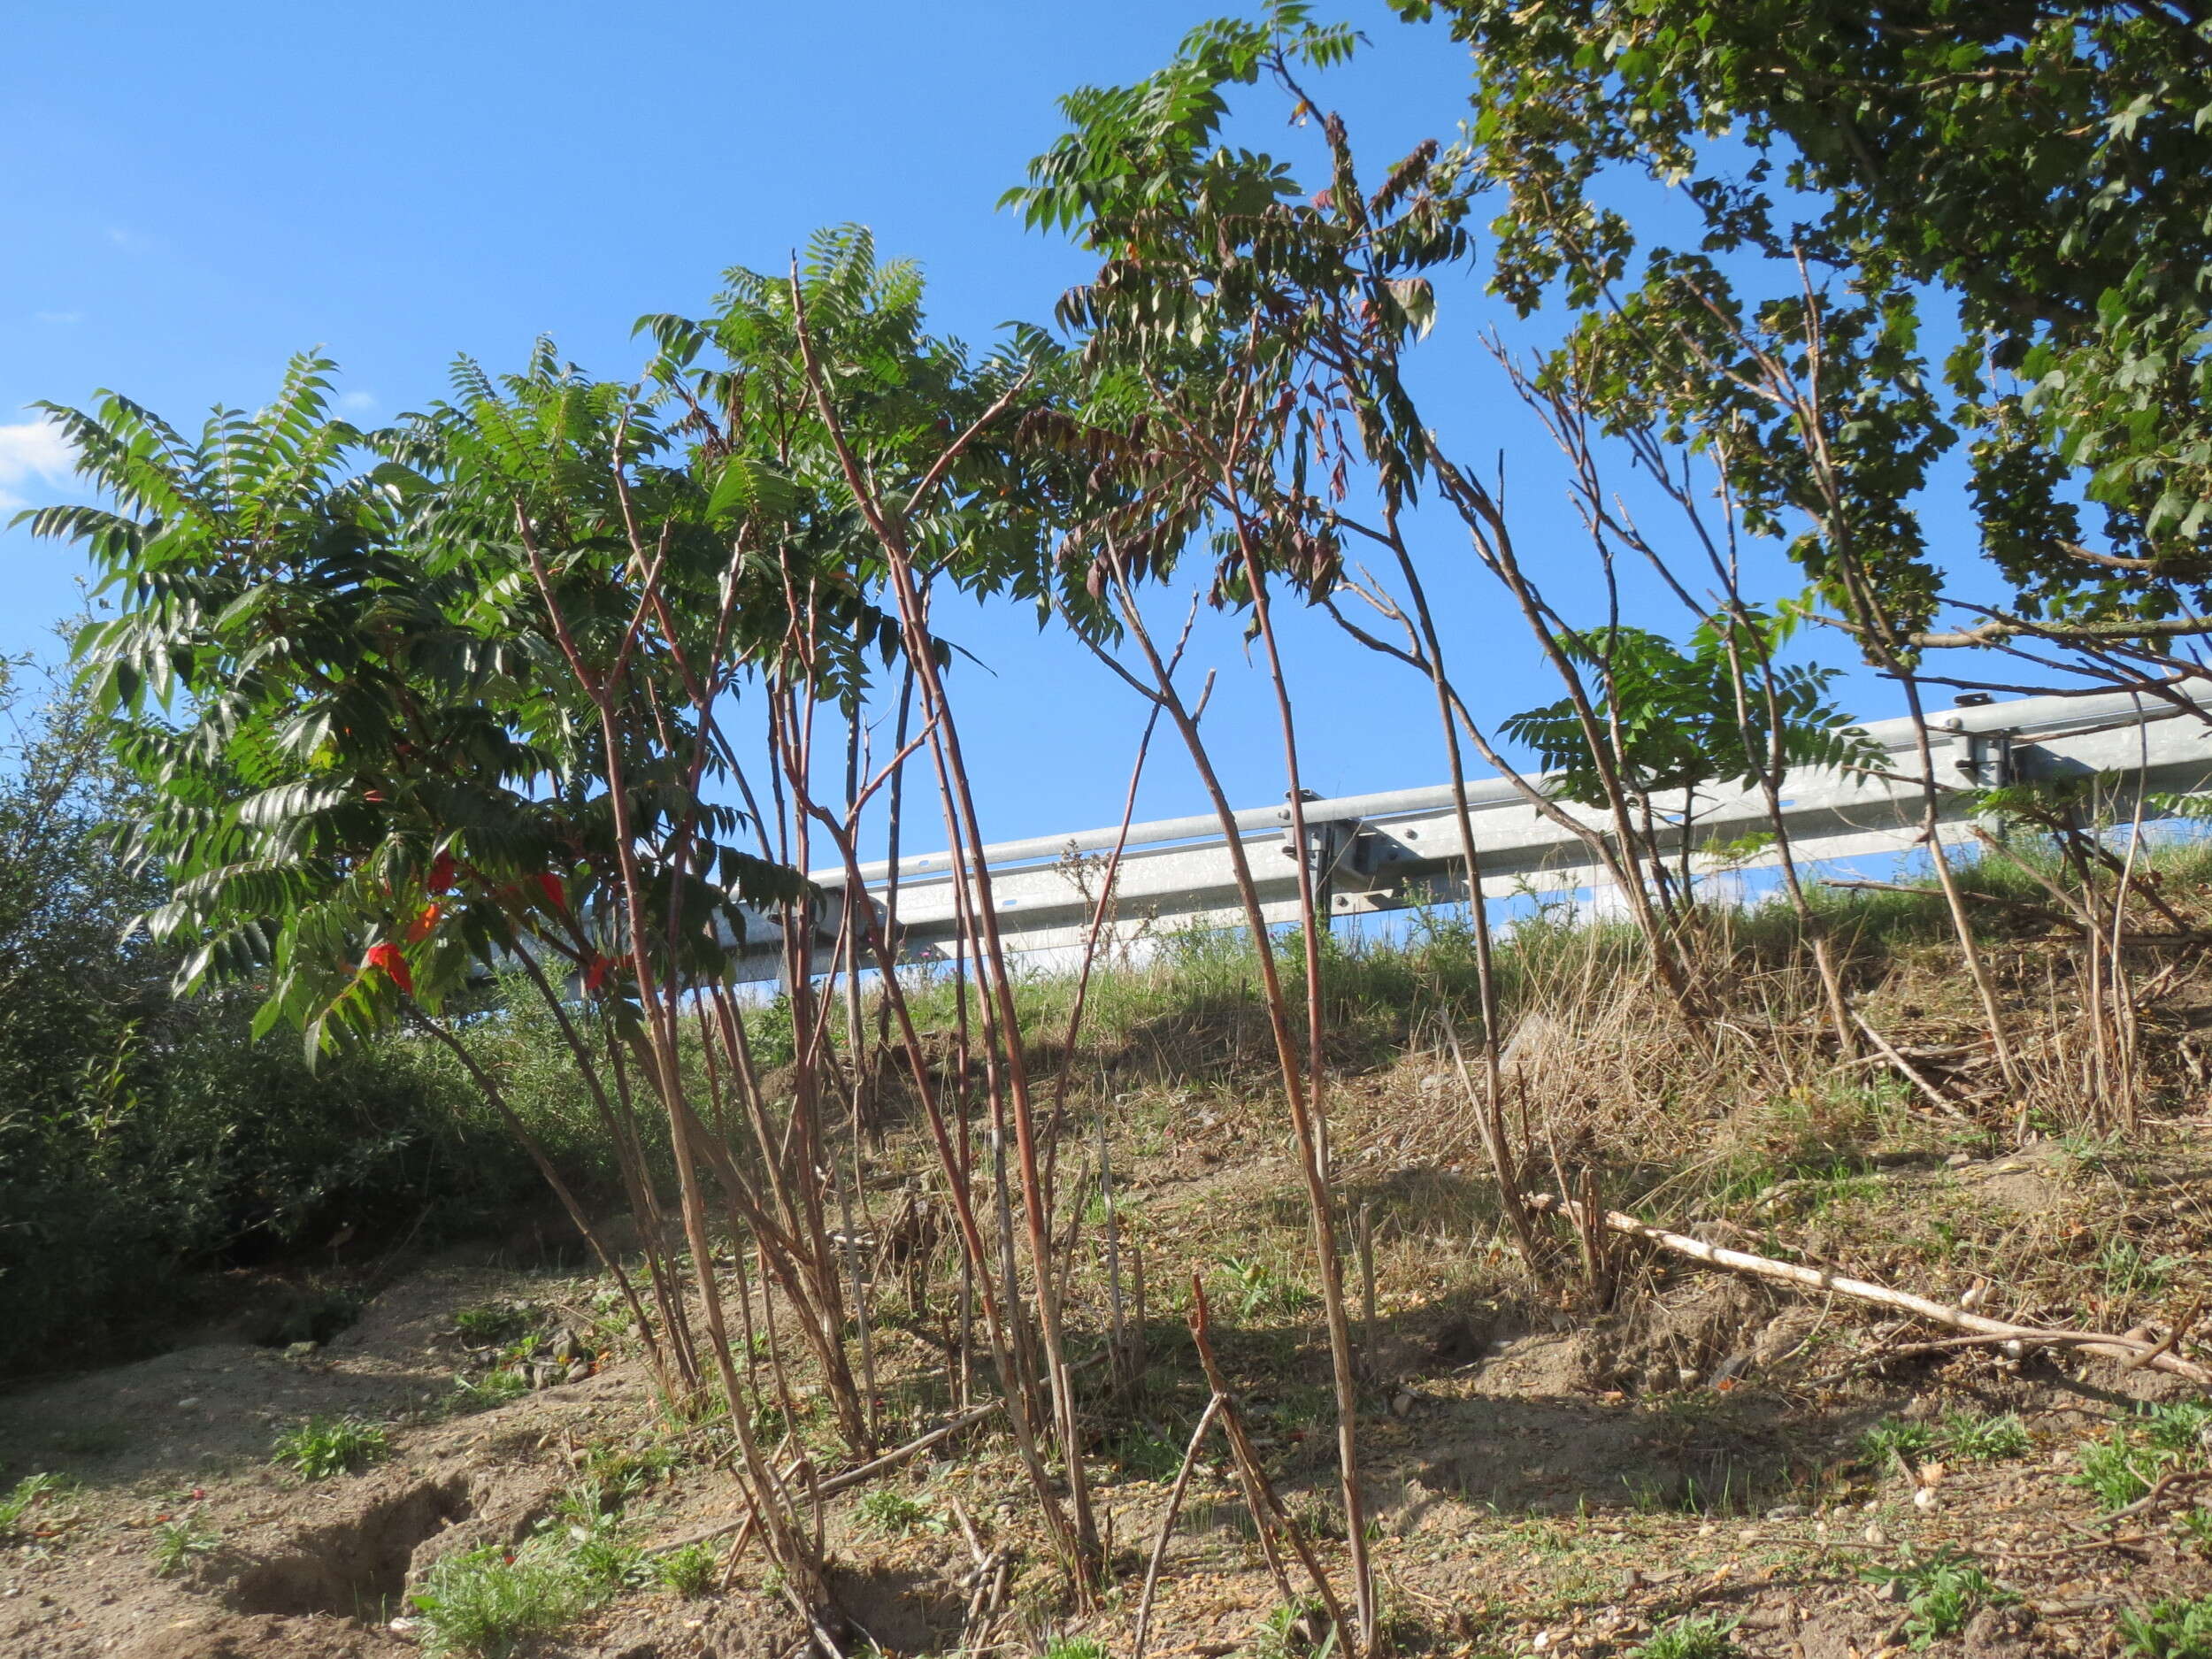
[[1882, 1296], [2148, 1502], [1267, 1513], [1167, 1524], [852, 1478]]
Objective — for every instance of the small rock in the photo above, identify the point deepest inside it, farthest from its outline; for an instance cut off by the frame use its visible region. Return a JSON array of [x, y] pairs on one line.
[[1959, 1160], [1875, 1536], [1402, 1402], [188, 1402], [403, 1626], [1786, 1512]]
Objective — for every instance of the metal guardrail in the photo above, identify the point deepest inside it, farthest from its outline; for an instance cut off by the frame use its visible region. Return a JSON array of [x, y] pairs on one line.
[[1400, 847]]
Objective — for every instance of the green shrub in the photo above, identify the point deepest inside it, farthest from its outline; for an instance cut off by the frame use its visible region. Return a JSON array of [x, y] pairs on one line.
[[1259, 1289], [1297, 1629], [324, 1447], [485, 1603]]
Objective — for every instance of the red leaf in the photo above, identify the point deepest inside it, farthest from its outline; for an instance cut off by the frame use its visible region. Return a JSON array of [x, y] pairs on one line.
[[374, 797], [386, 956], [556, 895], [442, 873], [597, 974], [424, 924]]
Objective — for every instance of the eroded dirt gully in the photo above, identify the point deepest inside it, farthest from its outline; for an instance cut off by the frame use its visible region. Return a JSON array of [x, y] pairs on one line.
[[1543, 1482]]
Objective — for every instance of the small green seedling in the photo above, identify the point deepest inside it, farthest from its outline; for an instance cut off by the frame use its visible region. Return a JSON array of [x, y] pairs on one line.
[[176, 1543]]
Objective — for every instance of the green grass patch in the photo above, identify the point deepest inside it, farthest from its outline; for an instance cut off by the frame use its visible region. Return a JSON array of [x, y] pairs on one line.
[[489, 1603], [323, 1447], [1706, 1637], [1893, 1437], [891, 1512], [22, 1502], [689, 1571], [1969, 1437]]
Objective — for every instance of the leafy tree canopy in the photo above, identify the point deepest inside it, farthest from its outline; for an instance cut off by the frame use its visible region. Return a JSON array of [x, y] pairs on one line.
[[2046, 167]]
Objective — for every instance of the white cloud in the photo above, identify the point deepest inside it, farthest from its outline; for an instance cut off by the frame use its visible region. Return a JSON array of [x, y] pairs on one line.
[[64, 318], [32, 450], [357, 403]]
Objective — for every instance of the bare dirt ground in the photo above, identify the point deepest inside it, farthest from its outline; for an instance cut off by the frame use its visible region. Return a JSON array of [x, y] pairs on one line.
[[1544, 1480]]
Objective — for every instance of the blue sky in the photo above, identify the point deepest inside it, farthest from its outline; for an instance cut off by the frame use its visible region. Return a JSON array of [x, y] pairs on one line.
[[201, 192]]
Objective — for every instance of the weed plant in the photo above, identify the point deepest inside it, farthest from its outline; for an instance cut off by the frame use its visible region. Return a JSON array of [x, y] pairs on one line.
[[689, 1571], [2123, 1466], [1893, 1438], [21, 1501], [323, 1447], [1942, 1591], [1296, 1630], [2175, 1628], [1970, 1437], [486, 1603], [177, 1542], [1694, 1637], [495, 1323], [894, 1514]]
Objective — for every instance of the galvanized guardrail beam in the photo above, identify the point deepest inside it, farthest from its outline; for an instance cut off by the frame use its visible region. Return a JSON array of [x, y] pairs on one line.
[[1400, 848]]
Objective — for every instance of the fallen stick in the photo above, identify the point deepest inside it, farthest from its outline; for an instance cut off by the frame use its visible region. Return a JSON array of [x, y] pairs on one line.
[[851, 1477], [1943, 1102], [1167, 1524], [2187, 1322], [1953, 1344], [1882, 1296]]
